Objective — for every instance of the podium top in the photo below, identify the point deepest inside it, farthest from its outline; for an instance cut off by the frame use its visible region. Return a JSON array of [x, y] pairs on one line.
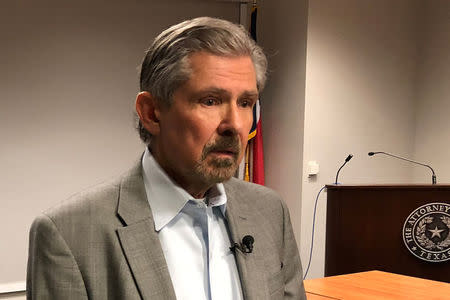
[[376, 285]]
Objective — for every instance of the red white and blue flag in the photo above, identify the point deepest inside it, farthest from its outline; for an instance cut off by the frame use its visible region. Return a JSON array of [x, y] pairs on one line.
[[254, 155]]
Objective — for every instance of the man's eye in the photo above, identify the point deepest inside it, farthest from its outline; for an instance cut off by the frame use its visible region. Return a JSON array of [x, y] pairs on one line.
[[246, 103], [210, 101]]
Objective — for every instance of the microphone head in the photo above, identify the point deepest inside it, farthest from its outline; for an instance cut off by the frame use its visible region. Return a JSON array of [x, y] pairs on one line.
[[371, 153], [349, 157], [248, 244], [248, 240]]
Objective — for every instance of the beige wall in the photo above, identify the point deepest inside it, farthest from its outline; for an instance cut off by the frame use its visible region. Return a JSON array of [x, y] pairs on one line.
[[14, 296], [68, 81], [284, 40], [432, 131], [360, 77], [353, 91], [376, 80]]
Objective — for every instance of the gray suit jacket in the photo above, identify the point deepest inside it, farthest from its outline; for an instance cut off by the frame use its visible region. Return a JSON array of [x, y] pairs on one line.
[[103, 245]]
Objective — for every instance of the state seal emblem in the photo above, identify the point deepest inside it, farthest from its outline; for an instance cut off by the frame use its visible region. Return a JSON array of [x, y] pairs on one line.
[[426, 232]]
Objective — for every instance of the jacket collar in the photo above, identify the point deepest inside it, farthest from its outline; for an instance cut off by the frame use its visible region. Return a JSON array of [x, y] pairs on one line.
[[140, 241], [133, 205]]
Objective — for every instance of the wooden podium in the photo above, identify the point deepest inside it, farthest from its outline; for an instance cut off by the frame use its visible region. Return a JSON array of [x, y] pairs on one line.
[[365, 230]]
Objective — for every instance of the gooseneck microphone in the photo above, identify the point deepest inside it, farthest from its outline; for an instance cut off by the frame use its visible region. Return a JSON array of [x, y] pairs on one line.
[[433, 176], [246, 246], [346, 161]]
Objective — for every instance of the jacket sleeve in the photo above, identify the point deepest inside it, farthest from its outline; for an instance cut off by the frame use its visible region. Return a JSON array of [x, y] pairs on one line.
[[293, 275], [52, 271]]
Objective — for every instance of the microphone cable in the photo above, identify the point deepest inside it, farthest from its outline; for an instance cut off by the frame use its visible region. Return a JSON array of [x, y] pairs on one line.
[[349, 157], [312, 233]]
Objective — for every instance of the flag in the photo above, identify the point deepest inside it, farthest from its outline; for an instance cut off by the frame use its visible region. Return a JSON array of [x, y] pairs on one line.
[[257, 150], [254, 156]]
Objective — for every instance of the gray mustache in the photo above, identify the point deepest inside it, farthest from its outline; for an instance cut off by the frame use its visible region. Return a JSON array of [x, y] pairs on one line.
[[222, 144]]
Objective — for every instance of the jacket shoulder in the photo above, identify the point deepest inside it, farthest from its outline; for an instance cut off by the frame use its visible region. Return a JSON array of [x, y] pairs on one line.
[[261, 201], [101, 198], [253, 193], [98, 201]]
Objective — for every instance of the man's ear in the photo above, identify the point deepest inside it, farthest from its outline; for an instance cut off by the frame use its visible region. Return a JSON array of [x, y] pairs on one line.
[[148, 110]]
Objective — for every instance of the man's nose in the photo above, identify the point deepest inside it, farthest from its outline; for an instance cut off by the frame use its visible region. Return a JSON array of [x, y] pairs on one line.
[[232, 121]]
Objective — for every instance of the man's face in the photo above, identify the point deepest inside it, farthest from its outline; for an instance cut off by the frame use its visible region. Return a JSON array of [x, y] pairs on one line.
[[203, 134]]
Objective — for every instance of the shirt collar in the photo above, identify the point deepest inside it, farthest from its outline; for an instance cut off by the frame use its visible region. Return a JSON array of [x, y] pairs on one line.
[[166, 198]]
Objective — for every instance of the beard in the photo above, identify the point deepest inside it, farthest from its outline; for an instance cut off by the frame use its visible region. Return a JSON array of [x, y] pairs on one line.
[[218, 169]]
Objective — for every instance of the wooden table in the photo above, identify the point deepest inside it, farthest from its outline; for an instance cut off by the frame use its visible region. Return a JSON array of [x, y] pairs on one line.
[[376, 285]]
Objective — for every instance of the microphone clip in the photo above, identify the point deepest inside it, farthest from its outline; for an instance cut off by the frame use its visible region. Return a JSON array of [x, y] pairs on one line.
[[246, 246]]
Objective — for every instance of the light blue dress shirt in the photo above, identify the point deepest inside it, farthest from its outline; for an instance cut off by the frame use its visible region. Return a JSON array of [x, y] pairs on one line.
[[194, 237]]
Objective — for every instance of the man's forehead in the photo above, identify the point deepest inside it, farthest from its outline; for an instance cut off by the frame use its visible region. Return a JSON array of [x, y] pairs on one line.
[[221, 91]]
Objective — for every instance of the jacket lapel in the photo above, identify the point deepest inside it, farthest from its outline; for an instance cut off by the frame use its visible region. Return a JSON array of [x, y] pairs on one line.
[[140, 241], [242, 222]]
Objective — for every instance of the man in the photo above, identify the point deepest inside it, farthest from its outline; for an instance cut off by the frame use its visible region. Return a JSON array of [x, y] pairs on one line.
[[177, 225]]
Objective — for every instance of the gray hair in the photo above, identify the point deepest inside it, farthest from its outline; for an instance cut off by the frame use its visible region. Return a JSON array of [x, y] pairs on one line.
[[166, 63]]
